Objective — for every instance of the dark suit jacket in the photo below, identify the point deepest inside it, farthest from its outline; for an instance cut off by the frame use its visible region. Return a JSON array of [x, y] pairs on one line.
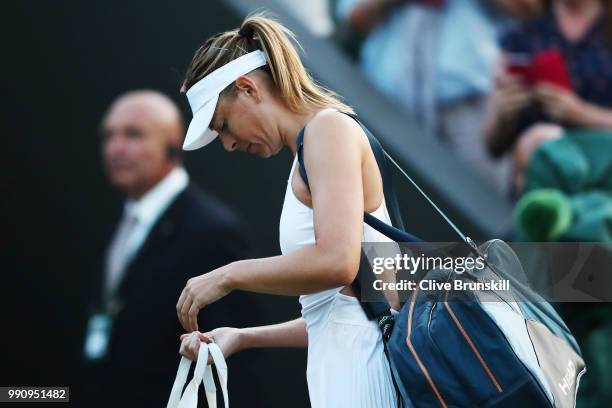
[[196, 234]]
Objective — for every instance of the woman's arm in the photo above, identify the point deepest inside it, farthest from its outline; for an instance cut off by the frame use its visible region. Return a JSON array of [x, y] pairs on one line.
[[232, 340], [333, 150], [499, 131], [287, 334], [596, 116], [334, 147], [569, 108]]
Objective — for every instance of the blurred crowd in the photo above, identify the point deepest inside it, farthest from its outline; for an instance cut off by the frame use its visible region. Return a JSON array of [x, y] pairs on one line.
[[521, 91]]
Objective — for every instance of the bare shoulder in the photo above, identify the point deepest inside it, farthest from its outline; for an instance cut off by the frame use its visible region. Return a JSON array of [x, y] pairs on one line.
[[330, 129]]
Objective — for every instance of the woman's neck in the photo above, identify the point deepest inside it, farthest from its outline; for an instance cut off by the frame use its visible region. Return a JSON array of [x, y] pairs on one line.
[[575, 17], [290, 126]]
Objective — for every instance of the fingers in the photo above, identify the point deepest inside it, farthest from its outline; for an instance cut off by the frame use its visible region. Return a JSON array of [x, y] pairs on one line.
[[190, 344], [187, 349], [205, 337], [507, 80], [179, 306], [516, 90], [517, 101], [550, 88], [554, 110], [194, 346], [511, 88], [184, 315], [193, 316], [549, 101], [512, 100], [183, 351], [553, 100], [187, 308], [544, 93]]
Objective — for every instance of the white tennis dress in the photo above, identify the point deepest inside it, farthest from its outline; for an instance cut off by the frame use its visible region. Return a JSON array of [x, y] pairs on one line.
[[347, 367]]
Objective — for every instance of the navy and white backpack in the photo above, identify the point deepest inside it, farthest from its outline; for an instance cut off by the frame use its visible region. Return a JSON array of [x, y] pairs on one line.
[[453, 349]]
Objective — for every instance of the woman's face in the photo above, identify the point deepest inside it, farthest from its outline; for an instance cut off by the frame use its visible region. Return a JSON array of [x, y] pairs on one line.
[[245, 119]]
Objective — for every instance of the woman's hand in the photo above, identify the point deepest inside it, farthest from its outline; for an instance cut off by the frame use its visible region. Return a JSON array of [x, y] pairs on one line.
[[560, 103], [510, 96], [199, 292], [507, 99], [227, 338], [190, 344]]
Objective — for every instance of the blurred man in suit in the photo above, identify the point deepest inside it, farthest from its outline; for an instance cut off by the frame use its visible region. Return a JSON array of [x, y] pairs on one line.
[[170, 231]]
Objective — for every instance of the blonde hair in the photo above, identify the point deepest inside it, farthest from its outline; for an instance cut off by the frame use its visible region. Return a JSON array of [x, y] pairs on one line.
[[293, 83]]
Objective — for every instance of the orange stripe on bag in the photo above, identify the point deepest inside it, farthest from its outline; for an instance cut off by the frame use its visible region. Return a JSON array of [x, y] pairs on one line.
[[471, 344]]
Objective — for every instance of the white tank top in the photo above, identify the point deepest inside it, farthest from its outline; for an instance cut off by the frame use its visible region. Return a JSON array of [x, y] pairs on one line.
[[296, 230]]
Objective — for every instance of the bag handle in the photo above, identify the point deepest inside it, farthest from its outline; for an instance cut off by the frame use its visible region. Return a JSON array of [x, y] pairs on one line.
[[202, 374], [179, 383], [190, 396], [221, 367]]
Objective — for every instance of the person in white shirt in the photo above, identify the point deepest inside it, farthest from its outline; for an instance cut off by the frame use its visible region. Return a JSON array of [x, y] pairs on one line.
[[142, 132]]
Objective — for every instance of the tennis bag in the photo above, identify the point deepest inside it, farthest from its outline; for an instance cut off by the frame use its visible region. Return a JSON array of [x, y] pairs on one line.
[[464, 348]]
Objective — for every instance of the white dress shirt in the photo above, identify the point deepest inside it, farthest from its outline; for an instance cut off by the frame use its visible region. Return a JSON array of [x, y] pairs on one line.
[[139, 216]]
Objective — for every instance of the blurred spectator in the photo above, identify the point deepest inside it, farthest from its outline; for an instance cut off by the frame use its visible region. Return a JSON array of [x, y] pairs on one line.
[[568, 189], [520, 9], [555, 69], [436, 58], [170, 231], [313, 14]]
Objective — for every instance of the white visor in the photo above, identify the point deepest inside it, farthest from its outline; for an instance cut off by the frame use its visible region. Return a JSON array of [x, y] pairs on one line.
[[204, 94]]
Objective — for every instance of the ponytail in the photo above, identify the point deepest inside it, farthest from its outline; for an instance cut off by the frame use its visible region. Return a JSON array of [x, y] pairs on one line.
[[293, 83]]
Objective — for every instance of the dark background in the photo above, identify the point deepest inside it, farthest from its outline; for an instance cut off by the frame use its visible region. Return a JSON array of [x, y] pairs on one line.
[[68, 61]]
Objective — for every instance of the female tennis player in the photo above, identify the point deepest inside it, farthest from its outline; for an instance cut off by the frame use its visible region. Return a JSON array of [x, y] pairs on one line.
[[248, 87]]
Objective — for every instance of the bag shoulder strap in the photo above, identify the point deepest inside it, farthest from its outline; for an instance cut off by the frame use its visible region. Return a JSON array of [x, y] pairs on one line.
[[396, 233], [373, 310]]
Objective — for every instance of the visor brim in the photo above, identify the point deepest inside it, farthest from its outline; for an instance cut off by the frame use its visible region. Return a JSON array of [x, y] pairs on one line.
[[199, 133]]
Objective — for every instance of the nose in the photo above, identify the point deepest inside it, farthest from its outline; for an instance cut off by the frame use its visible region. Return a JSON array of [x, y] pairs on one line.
[[229, 143], [113, 145]]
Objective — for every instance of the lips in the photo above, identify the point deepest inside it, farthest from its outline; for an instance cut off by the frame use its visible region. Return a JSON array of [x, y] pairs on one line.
[[119, 165]]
